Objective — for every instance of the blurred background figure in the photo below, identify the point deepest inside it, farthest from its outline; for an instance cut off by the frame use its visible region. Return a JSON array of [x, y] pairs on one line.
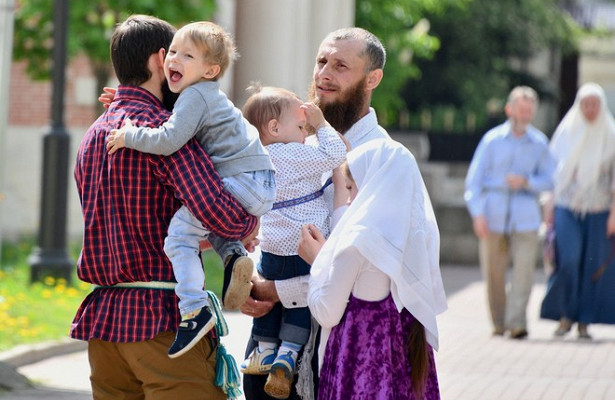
[[581, 209], [512, 165]]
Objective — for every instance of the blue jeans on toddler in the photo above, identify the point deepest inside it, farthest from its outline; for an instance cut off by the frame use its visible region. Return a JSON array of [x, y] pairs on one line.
[[286, 324], [255, 191]]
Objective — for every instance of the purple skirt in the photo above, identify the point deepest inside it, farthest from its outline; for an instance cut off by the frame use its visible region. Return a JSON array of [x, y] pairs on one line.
[[367, 358]]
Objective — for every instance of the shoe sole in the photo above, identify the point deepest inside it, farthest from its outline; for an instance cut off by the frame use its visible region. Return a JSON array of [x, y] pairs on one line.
[[206, 328], [585, 337], [279, 382], [498, 332], [519, 335], [256, 370], [240, 285]]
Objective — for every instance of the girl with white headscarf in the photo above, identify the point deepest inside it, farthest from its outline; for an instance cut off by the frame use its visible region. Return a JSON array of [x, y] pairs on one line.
[[581, 288], [376, 286]]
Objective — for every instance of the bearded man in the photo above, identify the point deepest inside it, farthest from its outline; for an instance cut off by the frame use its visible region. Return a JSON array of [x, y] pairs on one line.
[[349, 67]]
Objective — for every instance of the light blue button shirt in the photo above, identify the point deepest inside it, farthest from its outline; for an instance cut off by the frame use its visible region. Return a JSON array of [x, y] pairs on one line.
[[498, 154]]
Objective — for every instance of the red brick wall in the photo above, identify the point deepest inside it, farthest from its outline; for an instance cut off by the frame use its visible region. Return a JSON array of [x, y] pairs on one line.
[[30, 101]]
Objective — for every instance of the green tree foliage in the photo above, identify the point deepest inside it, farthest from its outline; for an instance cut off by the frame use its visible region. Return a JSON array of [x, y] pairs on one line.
[[406, 36], [90, 25], [482, 46]]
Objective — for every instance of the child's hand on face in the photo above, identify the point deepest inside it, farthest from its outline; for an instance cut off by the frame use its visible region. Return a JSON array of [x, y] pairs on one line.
[[314, 115], [116, 139]]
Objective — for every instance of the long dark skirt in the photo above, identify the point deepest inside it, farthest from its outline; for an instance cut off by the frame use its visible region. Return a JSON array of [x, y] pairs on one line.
[[367, 356], [574, 290]]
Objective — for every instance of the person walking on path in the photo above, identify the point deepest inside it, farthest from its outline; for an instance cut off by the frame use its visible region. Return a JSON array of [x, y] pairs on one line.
[[582, 287], [510, 168]]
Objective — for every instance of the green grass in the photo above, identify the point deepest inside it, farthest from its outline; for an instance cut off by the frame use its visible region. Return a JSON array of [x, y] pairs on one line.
[[43, 311]]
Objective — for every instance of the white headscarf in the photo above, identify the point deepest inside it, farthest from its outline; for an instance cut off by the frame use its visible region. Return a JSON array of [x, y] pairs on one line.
[[582, 147], [392, 224]]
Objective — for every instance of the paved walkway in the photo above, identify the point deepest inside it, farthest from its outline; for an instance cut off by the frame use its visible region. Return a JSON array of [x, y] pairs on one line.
[[472, 365]]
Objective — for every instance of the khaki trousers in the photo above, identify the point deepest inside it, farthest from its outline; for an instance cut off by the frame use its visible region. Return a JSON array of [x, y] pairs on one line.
[[142, 370], [508, 303]]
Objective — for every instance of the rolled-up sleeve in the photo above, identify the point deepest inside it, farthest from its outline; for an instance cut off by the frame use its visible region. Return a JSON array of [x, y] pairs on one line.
[[293, 292]]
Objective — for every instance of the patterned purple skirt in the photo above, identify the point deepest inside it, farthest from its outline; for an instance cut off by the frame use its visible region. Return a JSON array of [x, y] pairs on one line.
[[366, 356]]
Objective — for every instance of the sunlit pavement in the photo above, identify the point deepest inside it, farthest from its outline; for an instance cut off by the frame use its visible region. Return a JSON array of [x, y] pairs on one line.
[[471, 363]]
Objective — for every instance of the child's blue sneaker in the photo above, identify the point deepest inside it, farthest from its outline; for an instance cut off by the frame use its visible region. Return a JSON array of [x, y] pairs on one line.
[[259, 363], [281, 375], [190, 331]]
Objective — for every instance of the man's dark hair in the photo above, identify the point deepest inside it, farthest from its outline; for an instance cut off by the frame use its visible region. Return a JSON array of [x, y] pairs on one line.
[[133, 42]]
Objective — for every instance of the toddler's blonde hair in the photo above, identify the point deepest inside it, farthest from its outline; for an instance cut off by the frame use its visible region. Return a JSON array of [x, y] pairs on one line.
[[217, 44]]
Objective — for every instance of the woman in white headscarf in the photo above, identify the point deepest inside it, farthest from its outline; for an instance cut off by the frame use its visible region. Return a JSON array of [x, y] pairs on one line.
[[581, 288], [375, 284]]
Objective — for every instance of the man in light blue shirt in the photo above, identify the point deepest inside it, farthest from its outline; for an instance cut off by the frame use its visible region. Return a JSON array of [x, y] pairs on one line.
[[511, 166]]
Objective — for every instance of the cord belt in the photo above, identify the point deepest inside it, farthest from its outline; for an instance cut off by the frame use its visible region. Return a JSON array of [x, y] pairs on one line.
[[140, 285]]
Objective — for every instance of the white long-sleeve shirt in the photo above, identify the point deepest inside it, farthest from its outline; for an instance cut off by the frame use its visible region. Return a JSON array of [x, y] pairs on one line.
[[350, 273]]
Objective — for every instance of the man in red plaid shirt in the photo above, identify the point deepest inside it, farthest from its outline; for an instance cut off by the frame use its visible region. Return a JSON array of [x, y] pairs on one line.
[[128, 199]]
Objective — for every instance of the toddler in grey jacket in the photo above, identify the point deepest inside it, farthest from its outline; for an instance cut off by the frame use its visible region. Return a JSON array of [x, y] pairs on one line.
[[199, 55]]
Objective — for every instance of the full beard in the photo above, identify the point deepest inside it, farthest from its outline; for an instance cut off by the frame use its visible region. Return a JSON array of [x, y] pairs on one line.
[[343, 113]]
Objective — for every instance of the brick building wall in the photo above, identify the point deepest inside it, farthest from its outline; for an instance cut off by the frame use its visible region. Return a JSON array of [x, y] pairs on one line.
[[21, 163], [30, 103]]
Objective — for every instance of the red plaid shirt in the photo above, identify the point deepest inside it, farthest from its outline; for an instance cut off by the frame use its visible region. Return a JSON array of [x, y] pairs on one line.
[[128, 199]]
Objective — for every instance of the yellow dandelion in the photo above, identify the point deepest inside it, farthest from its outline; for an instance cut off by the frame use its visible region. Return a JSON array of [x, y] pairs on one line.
[[60, 289], [23, 332]]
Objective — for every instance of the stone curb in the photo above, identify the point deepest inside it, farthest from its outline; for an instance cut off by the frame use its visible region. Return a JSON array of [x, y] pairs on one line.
[[30, 354]]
